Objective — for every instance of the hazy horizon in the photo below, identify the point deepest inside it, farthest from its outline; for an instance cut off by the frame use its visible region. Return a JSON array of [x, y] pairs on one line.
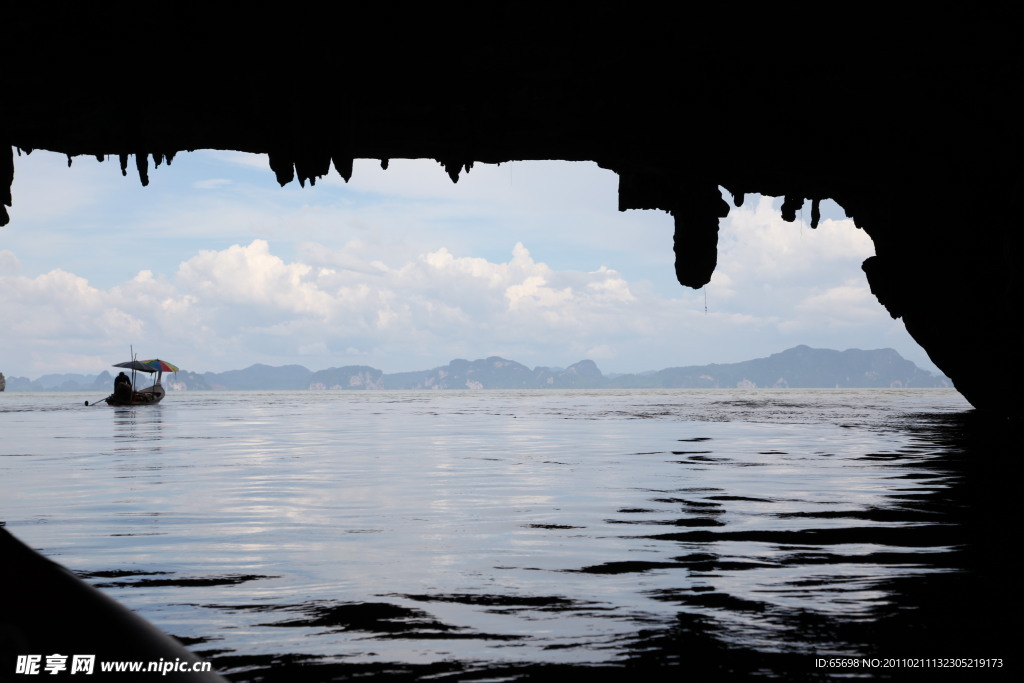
[[604, 372]]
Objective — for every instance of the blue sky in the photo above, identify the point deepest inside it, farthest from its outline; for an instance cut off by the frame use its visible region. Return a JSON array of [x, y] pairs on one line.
[[214, 266]]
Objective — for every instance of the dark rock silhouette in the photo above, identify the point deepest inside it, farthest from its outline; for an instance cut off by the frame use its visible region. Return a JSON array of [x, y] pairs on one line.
[[909, 123], [47, 609]]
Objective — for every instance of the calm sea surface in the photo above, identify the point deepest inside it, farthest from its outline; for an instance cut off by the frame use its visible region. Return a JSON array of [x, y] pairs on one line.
[[499, 534]]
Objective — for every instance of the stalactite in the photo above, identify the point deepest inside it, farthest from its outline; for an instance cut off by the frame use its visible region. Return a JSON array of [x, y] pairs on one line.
[[695, 242], [343, 165], [790, 205], [311, 164], [815, 212], [6, 173], [452, 169], [142, 166], [6, 180], [282, 167], [124, 164]]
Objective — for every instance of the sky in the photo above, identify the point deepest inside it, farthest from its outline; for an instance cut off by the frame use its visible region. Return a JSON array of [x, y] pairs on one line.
[[216, 267]]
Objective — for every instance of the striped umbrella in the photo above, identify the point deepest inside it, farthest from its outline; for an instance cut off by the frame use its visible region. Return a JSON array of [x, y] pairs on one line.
[[159, 365]]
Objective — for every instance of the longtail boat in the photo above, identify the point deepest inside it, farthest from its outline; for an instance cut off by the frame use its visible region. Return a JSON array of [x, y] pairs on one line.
[[126, 395]]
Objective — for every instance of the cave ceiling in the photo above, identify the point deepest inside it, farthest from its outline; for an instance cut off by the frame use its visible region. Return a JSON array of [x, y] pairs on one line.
[[910, 123]]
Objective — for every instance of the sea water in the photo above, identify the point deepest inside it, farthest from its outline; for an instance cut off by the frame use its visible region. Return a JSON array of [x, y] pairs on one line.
[[499, 534]]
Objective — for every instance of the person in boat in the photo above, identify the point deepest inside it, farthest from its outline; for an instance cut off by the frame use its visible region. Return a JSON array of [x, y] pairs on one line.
[[122, 387]]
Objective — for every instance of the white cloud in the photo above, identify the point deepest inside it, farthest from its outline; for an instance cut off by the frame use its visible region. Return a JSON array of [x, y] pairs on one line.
[[9, 263], [252, 276], [247, 299], [846, 305], [758, 248], [56, 315]]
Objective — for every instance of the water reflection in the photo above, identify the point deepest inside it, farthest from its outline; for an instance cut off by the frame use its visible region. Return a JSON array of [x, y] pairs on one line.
[[924, 571], [503, 535], [775, 558]]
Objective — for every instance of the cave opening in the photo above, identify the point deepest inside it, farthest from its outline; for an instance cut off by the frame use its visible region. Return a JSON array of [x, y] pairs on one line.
[[402, 269]]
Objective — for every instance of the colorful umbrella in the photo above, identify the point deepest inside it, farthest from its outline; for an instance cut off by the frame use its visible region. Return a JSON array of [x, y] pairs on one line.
[[135, 365], [158, 365]]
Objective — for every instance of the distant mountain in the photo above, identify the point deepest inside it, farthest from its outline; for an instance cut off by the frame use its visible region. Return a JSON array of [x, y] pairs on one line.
[[800, 367], [348, 377], [582, 375], [260, 377], [186, 381], [62, 382], [497, 373]]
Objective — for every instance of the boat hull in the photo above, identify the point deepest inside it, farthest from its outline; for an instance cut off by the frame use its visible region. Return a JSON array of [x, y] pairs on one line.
[[146, 397]]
